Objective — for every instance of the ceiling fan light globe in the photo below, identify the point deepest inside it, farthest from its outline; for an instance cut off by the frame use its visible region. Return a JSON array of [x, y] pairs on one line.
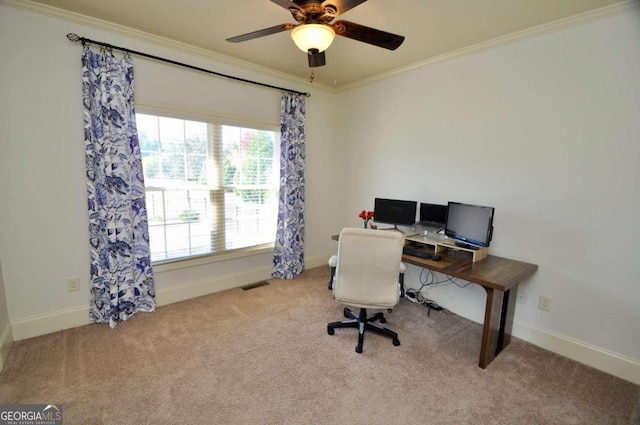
[[313, 36]]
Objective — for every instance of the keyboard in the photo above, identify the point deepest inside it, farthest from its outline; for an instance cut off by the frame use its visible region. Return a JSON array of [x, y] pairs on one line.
[[414, 252]]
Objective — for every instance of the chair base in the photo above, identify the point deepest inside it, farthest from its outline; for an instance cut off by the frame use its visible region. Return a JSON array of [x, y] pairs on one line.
[[363, 323]]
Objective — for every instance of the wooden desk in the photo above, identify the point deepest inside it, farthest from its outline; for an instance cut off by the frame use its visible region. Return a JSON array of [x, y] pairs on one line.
[[500, 278]]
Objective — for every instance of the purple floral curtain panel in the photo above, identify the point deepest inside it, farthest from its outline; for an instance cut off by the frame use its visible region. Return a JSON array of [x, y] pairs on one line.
[[121, 275], [288, 259]]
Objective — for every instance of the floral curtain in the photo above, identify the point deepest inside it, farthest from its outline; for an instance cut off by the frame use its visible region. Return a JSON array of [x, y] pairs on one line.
[[121, 275], [288, 259]]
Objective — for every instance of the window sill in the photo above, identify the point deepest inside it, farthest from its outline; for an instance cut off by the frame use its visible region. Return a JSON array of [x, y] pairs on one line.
[[181, 263]]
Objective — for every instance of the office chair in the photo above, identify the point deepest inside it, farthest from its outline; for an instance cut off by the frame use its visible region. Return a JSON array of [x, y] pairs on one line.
[[333, 262], [367, 277]]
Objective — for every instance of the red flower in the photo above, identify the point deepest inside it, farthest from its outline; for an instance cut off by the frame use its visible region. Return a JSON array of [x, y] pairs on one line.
[[366, 215]]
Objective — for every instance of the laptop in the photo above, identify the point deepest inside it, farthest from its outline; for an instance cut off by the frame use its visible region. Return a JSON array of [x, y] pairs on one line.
[[432, 218]]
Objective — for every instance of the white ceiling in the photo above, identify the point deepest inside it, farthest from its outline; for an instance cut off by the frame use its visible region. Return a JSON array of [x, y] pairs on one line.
[[432, 28]]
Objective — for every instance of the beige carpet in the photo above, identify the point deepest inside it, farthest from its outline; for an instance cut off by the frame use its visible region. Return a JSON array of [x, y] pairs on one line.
[[263, 356]]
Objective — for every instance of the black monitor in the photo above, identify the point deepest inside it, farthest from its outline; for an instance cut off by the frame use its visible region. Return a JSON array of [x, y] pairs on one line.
[[433, 213], [470, 225], [393, 211]]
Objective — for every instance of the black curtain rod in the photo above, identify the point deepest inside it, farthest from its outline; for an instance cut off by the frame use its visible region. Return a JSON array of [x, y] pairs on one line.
[[75, 38]]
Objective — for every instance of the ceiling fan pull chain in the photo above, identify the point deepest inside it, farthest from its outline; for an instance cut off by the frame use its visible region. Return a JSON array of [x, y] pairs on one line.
[[311, 77]]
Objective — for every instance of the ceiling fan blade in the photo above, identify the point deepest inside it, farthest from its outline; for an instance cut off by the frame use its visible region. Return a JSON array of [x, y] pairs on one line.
[[287, 4], [261, 33], [368, 35], [341, 6], [316, 58]]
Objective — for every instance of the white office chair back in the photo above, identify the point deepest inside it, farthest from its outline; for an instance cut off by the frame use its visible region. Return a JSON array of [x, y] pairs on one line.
[[368, 268]]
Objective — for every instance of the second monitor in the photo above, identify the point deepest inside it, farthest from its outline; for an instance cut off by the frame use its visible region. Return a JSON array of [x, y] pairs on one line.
[[433, 217]]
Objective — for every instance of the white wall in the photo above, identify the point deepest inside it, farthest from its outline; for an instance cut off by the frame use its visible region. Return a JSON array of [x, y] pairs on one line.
[[43, 231], [546, 131]]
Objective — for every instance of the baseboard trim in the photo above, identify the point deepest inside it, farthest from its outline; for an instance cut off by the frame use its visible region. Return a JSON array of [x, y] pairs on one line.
[[6, 341], [197, 289], [590, 355], [317, 261], [70, 318], [595, 357], [51, 322], [612, 363], [178, 293]]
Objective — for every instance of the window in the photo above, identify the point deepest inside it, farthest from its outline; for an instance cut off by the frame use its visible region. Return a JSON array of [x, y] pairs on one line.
[[210, 187]]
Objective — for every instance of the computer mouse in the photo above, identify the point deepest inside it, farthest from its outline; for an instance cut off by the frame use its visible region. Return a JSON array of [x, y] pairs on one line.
[[436, 257]]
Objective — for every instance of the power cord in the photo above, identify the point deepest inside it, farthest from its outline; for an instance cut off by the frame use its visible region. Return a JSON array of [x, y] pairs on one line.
[[417, 297], [429, 278]]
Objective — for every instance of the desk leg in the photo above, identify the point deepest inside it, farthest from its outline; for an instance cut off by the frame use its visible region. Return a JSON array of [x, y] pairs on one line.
[[506, 320], [498, 323]]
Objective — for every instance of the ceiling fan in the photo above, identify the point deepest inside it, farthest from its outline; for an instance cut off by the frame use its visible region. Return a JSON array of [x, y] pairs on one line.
[[315, 32]]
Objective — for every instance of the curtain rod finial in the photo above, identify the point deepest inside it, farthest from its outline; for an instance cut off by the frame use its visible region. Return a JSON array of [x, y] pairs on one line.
[[73, 37]]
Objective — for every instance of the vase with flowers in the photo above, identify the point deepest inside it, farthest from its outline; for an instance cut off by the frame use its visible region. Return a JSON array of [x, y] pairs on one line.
[[366, 216]]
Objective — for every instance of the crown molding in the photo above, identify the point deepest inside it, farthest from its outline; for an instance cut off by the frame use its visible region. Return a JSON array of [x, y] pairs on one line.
[[559, 25], [122, 30], [555, 26]]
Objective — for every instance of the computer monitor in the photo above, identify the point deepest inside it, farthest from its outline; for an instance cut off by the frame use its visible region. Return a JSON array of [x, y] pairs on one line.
[[433, 213], [470, 225], [394, 211]]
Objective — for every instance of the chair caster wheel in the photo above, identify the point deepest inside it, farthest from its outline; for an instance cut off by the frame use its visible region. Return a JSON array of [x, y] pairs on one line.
[[383, 320], [396, 342], [330, 331], [358, 349]]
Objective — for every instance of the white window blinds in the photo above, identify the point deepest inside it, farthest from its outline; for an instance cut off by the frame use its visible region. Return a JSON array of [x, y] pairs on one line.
[[210, 187]]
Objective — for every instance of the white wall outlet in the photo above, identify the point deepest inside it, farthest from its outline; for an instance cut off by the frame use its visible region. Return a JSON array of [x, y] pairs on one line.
[[521, 298], [544, 303], [73, 284]]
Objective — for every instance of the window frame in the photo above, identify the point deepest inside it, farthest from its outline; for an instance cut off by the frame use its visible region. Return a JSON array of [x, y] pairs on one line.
[[224, 120]]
